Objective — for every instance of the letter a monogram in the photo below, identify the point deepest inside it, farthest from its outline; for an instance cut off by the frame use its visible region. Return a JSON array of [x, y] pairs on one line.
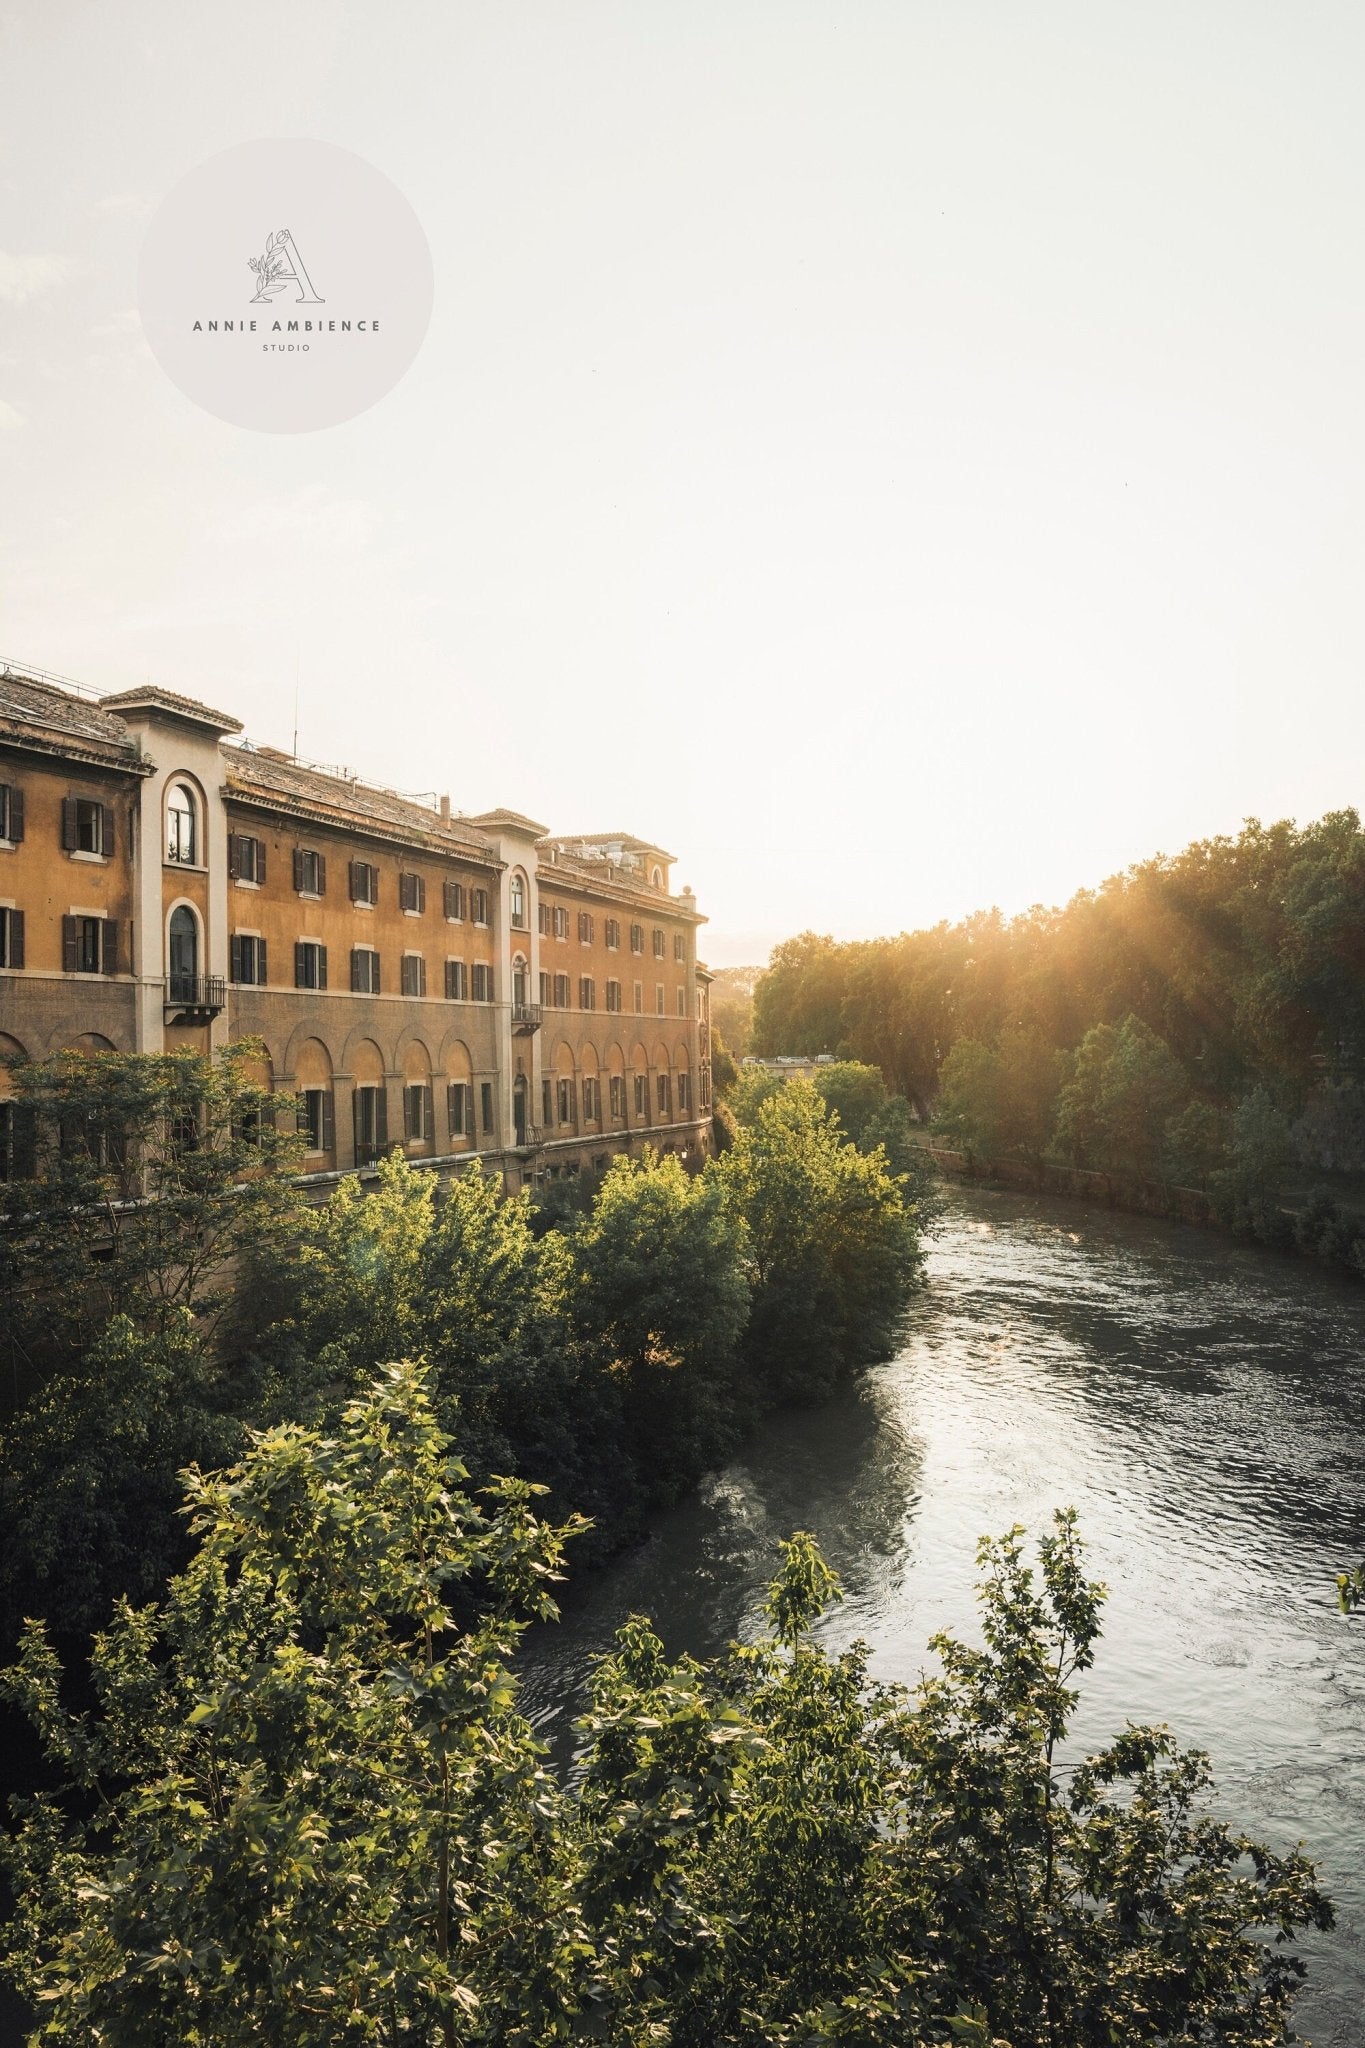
[[282, 265]]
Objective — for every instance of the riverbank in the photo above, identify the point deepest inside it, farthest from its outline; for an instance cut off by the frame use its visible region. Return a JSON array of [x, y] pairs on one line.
[[1325, 1226]]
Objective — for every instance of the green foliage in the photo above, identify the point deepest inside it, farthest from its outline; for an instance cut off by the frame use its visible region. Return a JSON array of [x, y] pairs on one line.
[[155, 1174], [1125, 1091], [1000, 1101], [90, 1477], [724, 1072], [305, 1807], [752, 1087], [833, 1249], [1250, 1190]]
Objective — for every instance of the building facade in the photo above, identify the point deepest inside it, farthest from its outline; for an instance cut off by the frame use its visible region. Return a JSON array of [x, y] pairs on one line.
[[454, 986]]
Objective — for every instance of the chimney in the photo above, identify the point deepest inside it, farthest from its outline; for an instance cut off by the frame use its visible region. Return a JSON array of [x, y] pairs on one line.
[[445, 810]]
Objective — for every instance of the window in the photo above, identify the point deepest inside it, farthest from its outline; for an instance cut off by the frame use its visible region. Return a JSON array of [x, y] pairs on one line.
[[663, 1088], [364, 879], [183, 937], [18, 1149], [459, 1111], [412, 894], [639, 999], [90, 944], [310, 964], [592, 1099], [682, 1002], [642, 1095], [481, 981], [613, 995], [658, 998], [370, 1109], [616, 1096], [656, 878], [11, 813], [181, 821], [316, 1119], [452, 901], [414, 973], [417, 1112], [478, 905], [310, 872], [248, 959], [705, 1084], [679, 946], [486, 1104], [566, 1103], [457, 982], [585, 927], [11, 938], [544, 991], [561, 921], [587, 992], [684, 1091], [659, 943], [561, 991], [87, 826], [364, 971], [246, 858], [517, 902], [613, 934], [637, 938]]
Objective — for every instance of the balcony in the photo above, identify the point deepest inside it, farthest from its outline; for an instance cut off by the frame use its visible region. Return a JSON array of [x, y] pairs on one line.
[[527, 1138], [526, 1017], [194, 998]]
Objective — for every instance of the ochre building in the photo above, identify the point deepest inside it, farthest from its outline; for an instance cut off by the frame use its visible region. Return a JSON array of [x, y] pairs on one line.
[[452, 985]]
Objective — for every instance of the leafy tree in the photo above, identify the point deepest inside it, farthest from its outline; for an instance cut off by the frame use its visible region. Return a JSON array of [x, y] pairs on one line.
[[965, 1113], [798, 1003], [1250, 1190], [753, 1086], [724, 1072], [90, 1483], [855, 1092], [1125, 1091], [306, 1808], [659, 1294], [1196, 1144], [155, 1174], [833, 1251]]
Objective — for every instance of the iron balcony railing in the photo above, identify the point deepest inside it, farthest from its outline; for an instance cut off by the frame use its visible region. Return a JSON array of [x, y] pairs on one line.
[[204, 993], [526, 1016]]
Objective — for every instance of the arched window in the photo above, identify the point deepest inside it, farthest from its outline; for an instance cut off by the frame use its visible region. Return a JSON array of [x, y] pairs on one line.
[[656, 877], [518, 899], [182, 836], [184, 955], [521, 981]]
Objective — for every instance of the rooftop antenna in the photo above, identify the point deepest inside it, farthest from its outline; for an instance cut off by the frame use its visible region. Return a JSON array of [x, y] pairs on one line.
[[296, 702]]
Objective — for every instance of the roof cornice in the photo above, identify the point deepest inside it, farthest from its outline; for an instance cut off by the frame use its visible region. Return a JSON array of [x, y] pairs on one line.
[[279, 804]]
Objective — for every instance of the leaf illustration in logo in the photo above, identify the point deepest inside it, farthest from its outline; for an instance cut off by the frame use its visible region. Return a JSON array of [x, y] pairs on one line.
[[253, 262], [269, 244], [281, 234]]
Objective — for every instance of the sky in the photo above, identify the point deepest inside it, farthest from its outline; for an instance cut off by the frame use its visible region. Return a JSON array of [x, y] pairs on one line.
[[901, 458]]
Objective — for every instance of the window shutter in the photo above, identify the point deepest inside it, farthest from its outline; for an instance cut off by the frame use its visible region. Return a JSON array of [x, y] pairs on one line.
[[16, 814], [322, 874], [234, 861], [298, 867], [300, 956], [69, 824], [381, 1115], [353, 883], [450, 981], [261, 974], [428, 1130], [16, 938], [109, 945], [71, 958], [106, 829], [235, 963], [421, 892], [260, 862], [329, 1122], [356, 1140], [322, 967], [355, 970]]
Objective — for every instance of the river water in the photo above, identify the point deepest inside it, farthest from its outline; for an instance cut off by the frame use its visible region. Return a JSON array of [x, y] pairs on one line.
[[1200, 1402]]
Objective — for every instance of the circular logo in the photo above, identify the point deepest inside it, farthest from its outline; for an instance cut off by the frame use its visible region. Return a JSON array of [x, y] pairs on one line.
[[285, 286]]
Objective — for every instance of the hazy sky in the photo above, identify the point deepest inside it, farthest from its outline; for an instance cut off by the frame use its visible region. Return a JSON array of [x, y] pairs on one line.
[[902, 458]]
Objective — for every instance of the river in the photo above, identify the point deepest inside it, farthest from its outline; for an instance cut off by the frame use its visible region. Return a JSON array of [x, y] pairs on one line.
[[1200, 1402]]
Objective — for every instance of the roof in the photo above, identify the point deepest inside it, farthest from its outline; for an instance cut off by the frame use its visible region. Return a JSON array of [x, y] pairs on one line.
[[46, 719], [574, 841], [490, 821], [150, 698], [274, 780]]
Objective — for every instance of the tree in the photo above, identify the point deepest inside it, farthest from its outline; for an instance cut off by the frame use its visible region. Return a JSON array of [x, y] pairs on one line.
[[1250, 1189], [966, 1113], [155, 1175], [833, 1251], [306, 1807], [1125, 1091], [660, 1296], [753, 1086]]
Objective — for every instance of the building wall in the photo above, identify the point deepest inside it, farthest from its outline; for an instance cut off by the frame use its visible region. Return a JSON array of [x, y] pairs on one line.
[[42, 1007]]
